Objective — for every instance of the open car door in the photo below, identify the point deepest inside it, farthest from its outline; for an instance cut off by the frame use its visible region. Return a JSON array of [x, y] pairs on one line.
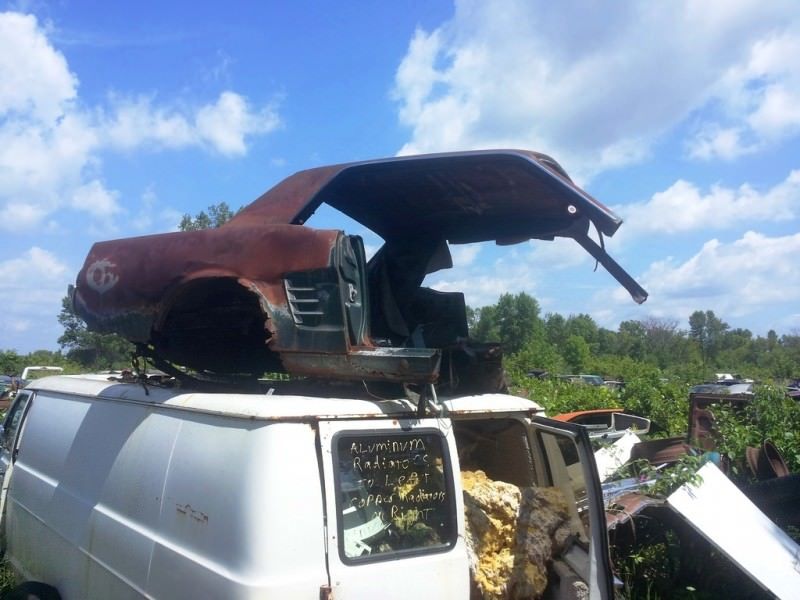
[[567, 453]]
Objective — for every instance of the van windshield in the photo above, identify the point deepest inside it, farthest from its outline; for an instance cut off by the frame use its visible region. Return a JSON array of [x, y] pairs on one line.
[[394, 494]]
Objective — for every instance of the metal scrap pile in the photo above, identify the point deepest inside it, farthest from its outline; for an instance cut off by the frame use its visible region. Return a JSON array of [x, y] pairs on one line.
[[513, 534]]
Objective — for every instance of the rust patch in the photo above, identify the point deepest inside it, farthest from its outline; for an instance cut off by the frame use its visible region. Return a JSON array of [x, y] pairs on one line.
[[186, 509]]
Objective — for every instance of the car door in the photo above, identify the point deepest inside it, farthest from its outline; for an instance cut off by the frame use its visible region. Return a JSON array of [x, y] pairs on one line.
[[394, 511], [10, 434], [566, 451], [10, 438]]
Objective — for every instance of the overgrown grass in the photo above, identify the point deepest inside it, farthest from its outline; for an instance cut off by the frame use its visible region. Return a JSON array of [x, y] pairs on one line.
[[7, 579]]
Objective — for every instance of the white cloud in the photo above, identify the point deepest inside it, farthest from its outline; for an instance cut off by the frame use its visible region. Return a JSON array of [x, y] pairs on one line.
[[36, 79], [149, 212], [759, 98], [683, 207], [34, 265], [596, 88], [51, 144], [96, 200], [560, 253], [225, 125], [464, 255], [726, 143], [222, 126], [17, 216], [523, 267], [134, 122], [750, 275], [483, 289], [31, 288]]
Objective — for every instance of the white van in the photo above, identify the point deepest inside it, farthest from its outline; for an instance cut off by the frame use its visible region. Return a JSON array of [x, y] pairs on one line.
[[128, 490]]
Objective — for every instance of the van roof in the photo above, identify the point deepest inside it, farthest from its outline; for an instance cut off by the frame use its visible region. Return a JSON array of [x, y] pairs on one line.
[[271, 406]]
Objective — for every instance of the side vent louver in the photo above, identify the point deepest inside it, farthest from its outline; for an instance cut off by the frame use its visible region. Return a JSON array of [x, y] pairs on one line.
[[305, 303]]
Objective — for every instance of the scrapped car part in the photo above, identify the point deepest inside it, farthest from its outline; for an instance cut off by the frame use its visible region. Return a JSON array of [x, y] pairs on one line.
[[722, 514], [778, 498], [766, 462], [265, 293], [610, 458], [27, 372], [606, 424]]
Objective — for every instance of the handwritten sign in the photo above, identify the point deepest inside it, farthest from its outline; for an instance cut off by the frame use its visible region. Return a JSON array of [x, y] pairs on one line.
[[397, 480]]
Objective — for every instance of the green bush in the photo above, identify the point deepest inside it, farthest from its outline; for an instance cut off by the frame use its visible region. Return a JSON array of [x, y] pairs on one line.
[[558, 397], [770, 416], [665, 403], [7, 579]]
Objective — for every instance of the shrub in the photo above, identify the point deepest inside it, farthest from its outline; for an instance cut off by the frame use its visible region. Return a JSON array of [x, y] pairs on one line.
[[770, 416]]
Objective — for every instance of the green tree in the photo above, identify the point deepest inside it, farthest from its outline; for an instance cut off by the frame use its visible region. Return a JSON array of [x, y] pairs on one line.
[[90, 349], [11, 363], [631, 339], [582, 325], [518, 321], [218, 214], [555, 327], [606, 341], [484, 325], [707, 331], [664, 342], [576, 353]]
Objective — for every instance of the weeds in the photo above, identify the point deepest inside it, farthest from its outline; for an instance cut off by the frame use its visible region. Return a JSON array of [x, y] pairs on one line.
[[7, 578]]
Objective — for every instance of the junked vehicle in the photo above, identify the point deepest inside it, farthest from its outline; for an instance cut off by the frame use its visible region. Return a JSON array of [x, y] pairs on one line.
[[117, 490], [265, 293], [607, 424], [34, 372], [583, 379], [379, 468]]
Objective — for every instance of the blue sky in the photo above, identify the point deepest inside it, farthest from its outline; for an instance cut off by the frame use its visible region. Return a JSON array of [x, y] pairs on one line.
[[684, 117]]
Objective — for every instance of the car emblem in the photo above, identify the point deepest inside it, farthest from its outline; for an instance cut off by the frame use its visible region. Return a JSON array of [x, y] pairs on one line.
[[100, 278]]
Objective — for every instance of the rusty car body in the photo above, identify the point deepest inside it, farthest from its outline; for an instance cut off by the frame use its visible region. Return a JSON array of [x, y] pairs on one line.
[[606, 424], [266, 293]]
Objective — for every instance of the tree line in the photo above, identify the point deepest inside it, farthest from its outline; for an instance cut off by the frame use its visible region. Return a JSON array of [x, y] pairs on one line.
[[577, 344], [531, 341]]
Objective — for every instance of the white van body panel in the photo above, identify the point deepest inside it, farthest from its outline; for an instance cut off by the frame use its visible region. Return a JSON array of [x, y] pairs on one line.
[[140, 501], [117, 490]]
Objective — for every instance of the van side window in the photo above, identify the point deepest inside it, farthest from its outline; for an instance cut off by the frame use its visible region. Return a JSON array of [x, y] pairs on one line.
[[395, 494], [13, 420]]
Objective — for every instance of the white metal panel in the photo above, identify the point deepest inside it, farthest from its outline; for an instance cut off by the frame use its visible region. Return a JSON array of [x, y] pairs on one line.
[[728, 519], [242, 515], [115, 500], [276, 406], [610, 458], [489, 404]]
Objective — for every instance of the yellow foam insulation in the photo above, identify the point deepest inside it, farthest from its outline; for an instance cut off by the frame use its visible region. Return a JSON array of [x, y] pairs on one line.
[[513, 534]]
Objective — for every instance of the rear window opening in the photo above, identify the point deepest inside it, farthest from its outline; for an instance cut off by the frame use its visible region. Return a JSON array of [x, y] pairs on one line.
[[390, 305], [527, 528]]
